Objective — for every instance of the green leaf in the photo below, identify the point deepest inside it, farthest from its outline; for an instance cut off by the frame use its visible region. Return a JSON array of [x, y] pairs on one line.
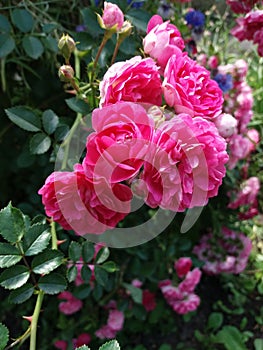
[[5, 26], [231, 338], [4, 336], [86, 273], [14, 277], [72, 273], [74, 251], [215, 320], [24, 118], [110, 266], [21, 294], [36, 239], [87, 251], [50, 121], [49, 27], [32, 46], [53, 283], [101, 275], [138, 18], [47, 261], [83, 347], [258, 344], [90, 19], [7, 45], [22, 19], [111, 345], [40, 143], [136, 293], [78, 105], [9, 255], [102, 255], [12, 224]]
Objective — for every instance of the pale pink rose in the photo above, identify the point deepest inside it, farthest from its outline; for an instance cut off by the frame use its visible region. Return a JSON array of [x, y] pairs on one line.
[[185, 164], [188, 88], [182, 266], [189, 303], [191, 280], [241, 69], [163, 39], [245, 97], [112, 15], [148, 300], [71, 305], [171, 293], [226, 125], [136, 283], [117, 148], [116, 320], [78, 203], [135, 80], [254, 138], [249, 190], [243, 117]]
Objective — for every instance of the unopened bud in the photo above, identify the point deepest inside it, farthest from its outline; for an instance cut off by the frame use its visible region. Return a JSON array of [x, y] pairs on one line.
[[66, 45], [66, 73], [125, 31]]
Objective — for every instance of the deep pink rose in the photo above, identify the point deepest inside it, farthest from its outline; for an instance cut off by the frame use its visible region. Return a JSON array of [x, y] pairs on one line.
[[163, 39], [148, 300], [135, 80], [112, 15], [76, 203], [61, 344], [248, 193], [117, 148], [188, 88], [71, 305], [185, 164], [241, 6], [182, 266], [190, 281], [188, 304], [82, 339]]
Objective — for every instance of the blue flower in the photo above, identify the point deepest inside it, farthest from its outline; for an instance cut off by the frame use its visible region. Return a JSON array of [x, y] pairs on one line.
[[195, 18], [224, 81], [136, 4]]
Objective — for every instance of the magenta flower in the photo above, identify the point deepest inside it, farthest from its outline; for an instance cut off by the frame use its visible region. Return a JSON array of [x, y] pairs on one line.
[[242, 6], [163, 39], [185, 164], [77, 203], [188, 88], [190, 281], [61, 344], [182, 266], [112, 16], [148, 300], [117, 148], [114, 324], [135, 80], [71, 305]]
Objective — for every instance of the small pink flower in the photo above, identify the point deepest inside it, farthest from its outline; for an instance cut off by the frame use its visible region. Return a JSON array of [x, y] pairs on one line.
[[254, 138], [106, 332], [188, 88], [247, 195], [117, 148], [148, 300], [190, 281], [163, 39], [71, 305], [213, 62], [136, 283], [182, 266], [135, 80], [188, 304], [226, 125], [61, 344], [112, 16], [82, 339], [115, 320]]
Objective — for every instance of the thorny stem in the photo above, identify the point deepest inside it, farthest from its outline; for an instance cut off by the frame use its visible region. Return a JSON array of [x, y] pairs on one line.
[[33, 327], [54, 235]]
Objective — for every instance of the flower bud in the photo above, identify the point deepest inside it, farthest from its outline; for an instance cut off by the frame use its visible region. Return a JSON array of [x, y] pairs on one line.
[[66, 73], [226, 125], [112, 17], [125, 31], [66, 45]]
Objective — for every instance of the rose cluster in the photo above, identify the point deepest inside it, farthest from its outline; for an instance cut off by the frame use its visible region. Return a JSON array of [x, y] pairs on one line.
[[173, 157], [182, 298], [226, 252]]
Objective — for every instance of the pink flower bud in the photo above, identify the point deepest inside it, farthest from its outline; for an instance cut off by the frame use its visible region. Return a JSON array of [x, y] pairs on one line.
[[226, 125], [66, 73], [112, 16], [183, 266], [213, 62]]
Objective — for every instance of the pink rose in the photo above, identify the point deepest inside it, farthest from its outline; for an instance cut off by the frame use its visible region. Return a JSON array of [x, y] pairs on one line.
[[226, 125], [112, 16], [163, 39], [117, 148], [188, 304], [116, 320], [249, 190], [106, 332], [191, 280], [71, 305], [76, 203], [188, 88], [148, 300], [82, 339], [185, 164], [182, 266], [135, 80]]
